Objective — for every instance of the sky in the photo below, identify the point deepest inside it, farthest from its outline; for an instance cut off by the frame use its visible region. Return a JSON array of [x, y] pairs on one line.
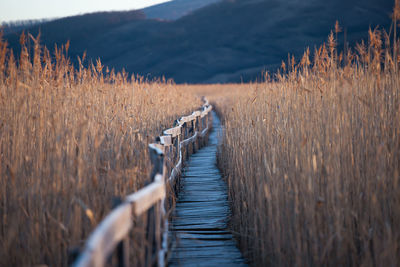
[[12, 10]]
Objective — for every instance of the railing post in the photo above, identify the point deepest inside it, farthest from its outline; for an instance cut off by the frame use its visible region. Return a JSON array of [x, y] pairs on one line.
[[123, 246], [179, 156], [209, 119], [175, 150], [184, 136], [153, 216], [157, 160], [157, 230], [206, 120], [162, 226], [195, 128], [197, 122]]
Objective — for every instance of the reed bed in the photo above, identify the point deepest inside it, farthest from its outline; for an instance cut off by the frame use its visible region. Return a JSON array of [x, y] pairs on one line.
[[71, 139], [312, 158]]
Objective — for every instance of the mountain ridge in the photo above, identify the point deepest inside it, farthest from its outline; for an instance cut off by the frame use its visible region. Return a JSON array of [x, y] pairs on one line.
[[228, 41], [175, 9]]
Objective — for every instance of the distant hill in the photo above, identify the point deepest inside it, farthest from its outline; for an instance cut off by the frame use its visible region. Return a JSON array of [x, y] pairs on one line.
[[175, 9], [20, 25], [229, 41], [171, 10]]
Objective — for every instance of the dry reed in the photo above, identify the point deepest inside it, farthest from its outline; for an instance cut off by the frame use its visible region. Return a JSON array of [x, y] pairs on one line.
[[312, 159], [70, 140]]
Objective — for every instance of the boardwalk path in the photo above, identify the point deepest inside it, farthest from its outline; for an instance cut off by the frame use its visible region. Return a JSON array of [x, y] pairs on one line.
[[200, 219]]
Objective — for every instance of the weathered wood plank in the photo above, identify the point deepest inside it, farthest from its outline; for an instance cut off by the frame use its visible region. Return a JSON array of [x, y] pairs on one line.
[[201, 214], [175, 131], [188, 118], [166, 140], [106, 236], [196, 113], [146, 197], [206, 111]]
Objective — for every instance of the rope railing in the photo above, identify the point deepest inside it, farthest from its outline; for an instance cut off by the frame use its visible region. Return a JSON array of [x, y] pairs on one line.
[[167, 156]]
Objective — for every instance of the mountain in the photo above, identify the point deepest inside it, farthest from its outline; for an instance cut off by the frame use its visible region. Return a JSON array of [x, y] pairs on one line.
[[20, 25], [171, 10], [228, 41], [175, 9]]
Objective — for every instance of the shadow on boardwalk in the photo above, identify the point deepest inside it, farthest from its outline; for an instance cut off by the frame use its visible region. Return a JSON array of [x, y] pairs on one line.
[[198, 226]]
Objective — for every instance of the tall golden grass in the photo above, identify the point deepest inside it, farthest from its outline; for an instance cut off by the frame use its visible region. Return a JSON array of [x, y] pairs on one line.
[[70, 140], [312, 159]]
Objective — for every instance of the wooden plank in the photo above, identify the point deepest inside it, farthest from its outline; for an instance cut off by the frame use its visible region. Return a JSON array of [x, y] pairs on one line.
[[192, 116], [206, 111], [184, 119], [106, 236], [146, 197], [187, 118], [173, 131], [200, 219], [196, 113], [166, 140]]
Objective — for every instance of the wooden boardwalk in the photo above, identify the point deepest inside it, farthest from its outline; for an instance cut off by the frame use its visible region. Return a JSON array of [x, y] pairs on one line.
[[198, 225]]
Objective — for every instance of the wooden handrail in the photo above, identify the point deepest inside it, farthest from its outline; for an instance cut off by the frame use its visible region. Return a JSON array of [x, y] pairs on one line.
[[106, 237], [173, 131], [166, 140], [114, 228], [146, 197]]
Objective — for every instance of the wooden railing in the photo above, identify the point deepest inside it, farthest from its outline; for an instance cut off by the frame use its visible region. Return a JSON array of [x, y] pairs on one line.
[[167, 156]]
